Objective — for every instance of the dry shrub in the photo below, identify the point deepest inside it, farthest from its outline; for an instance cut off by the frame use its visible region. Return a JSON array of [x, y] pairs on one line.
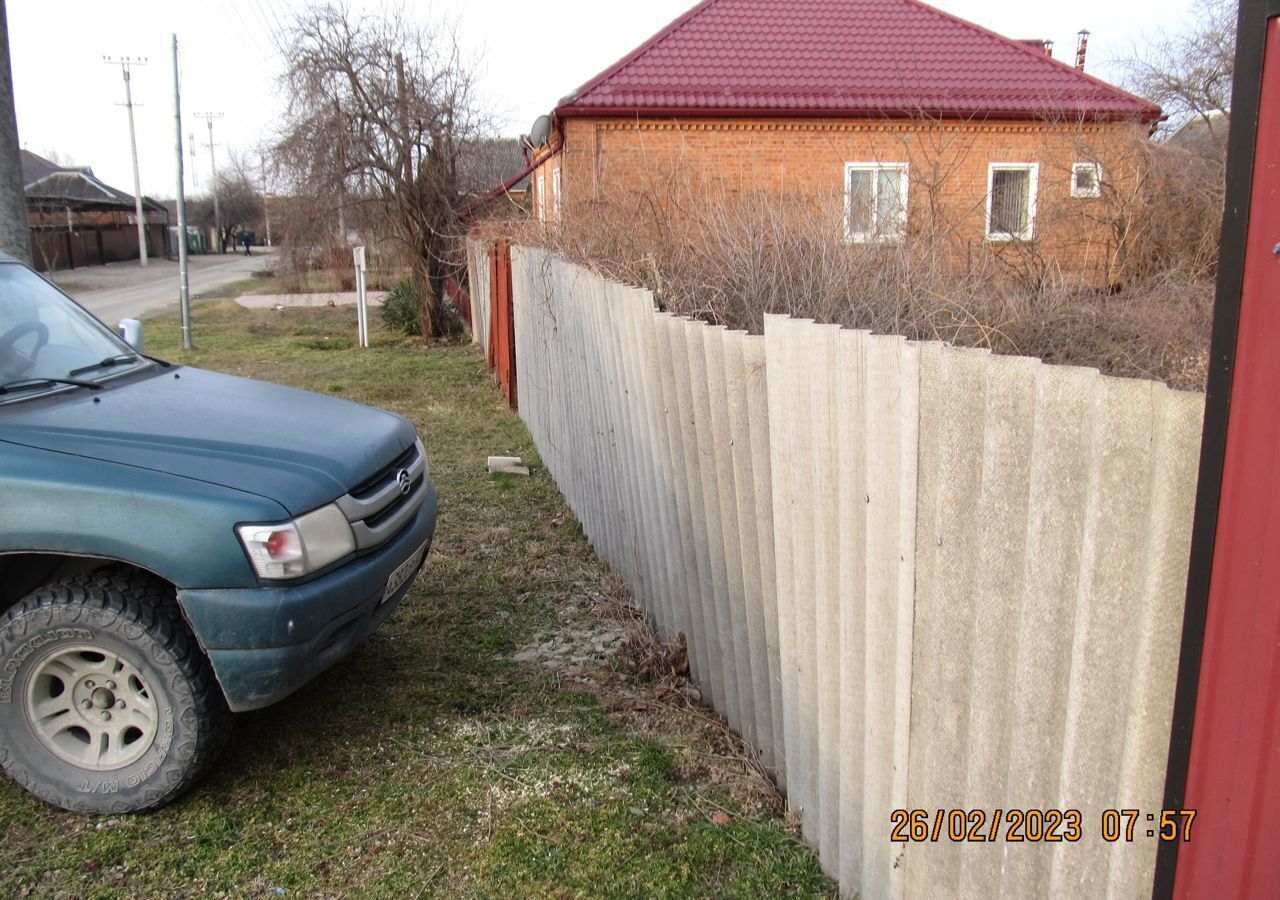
[[314, 255], [730, 257], [1186, 190]]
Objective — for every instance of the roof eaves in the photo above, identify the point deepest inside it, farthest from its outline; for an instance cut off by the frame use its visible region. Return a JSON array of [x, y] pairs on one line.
[[879, 112]]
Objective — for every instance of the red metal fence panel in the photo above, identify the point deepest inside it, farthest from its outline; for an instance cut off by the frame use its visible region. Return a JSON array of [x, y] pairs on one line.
[[1225, 753], [501, 352]]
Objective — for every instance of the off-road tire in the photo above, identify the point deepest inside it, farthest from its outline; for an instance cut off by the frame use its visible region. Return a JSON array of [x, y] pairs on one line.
[[132, 618]]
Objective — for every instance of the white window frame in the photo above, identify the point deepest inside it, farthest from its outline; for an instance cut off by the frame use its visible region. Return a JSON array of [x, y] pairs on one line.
[[555, 195], [876, 236], [1096, 190], [1032, 189], [540, 188]]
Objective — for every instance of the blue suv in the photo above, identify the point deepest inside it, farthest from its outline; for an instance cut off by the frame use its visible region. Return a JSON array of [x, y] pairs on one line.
[[175, 545]]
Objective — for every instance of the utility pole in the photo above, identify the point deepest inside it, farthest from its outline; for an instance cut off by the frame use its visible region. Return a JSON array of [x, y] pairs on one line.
[[184, 286], [125, 62], [195, 169], [213, 176], [15, 234]]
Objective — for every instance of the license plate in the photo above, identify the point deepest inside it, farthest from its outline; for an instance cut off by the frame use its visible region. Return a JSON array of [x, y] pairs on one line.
[[403, 573]]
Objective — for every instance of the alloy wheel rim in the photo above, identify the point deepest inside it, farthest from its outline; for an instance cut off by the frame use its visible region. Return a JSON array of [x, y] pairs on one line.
[[91, 708]]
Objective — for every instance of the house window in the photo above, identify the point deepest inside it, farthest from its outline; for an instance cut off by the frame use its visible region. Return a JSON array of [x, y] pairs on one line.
[[555, 195], [539, 198], [1011, 201], [875, 201], [1086, 180]]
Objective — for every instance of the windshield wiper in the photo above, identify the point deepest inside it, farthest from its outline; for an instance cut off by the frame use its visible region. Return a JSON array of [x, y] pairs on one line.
[[117, 360], [105, 363], [9, 386]]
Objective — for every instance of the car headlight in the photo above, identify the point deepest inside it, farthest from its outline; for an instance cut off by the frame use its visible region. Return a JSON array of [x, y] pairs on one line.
[[426, 463], [300, 546]]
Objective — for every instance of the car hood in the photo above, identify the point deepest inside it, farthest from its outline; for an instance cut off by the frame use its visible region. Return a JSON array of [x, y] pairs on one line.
[[300, 449]]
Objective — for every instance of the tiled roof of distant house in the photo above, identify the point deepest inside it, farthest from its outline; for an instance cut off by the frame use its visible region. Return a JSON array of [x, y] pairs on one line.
[[1205, 135], [844, 58], [47, 182]]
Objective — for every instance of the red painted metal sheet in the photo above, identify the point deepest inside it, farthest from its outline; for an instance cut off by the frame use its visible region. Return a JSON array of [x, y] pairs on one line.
[[503, 334], [501, 352], [1233, 779]]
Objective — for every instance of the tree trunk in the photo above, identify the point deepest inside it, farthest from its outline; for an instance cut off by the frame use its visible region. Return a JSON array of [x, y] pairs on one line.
[[428, 280]]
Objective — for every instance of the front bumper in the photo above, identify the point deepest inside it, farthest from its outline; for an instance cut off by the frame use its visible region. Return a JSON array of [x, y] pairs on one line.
[[265, 643]]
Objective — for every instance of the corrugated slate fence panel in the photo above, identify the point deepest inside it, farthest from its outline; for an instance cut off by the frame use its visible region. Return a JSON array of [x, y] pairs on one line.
[[478, 286], [688, 584], [788, 405], [744, 373], [690, 385], [880, 519], [759, 507], [1055, 507], [1177, 418], [846, 481], [913, 576]]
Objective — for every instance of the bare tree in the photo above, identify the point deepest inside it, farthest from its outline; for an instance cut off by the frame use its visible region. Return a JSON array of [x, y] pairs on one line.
[[239, 200], [1189, 73], [379, 109]]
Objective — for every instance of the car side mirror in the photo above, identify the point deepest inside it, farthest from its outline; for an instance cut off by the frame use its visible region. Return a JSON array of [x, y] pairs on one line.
[[131, 331]]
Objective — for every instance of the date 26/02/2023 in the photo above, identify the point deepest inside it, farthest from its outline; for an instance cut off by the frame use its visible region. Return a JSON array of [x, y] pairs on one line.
[[1036, 825]]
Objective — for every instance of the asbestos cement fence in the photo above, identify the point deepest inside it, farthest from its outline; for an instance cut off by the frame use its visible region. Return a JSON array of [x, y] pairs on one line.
[[914, 577], [479, 290]]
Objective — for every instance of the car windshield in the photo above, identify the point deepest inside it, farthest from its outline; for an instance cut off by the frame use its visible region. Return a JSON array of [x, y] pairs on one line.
[[43, 335]]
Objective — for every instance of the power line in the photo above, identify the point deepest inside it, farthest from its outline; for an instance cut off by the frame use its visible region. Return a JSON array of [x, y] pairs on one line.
[[281, 29]]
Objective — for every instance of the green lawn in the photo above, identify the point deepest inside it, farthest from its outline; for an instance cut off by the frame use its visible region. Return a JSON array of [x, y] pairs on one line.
[[430, 762]]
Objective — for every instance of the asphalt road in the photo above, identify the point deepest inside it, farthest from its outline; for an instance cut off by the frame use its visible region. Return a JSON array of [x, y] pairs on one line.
[[126, 290]]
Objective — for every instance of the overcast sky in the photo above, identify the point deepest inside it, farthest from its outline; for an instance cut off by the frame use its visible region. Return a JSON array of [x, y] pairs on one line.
[[530, 54]]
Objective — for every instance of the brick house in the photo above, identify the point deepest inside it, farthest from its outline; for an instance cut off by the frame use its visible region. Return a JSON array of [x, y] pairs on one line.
[[918, 122]]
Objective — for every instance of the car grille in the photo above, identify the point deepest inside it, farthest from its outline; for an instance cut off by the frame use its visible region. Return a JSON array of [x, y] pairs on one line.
[[378, 508]]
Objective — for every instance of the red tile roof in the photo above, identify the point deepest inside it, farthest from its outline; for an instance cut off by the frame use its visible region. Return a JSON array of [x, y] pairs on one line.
[[843, 58]]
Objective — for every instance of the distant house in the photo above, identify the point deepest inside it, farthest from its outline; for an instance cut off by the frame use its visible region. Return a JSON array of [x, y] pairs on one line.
[[484, 164], [916, 120], [77, 220], [1204, 136]]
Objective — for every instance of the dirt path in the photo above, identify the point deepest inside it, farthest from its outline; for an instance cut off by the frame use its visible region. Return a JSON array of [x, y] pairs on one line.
[[126, 290]]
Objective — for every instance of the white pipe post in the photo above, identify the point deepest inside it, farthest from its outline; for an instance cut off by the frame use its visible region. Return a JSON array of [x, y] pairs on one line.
[[362, 312]]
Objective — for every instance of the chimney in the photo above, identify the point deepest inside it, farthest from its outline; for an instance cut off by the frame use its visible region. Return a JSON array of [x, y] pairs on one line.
[[1048, 48], [1082, 47]]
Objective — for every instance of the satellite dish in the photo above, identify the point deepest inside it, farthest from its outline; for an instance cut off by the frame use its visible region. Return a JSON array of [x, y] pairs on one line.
[[540, 133]]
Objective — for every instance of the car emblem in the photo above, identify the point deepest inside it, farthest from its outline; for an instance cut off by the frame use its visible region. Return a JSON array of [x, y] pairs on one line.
[[405, 482]]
